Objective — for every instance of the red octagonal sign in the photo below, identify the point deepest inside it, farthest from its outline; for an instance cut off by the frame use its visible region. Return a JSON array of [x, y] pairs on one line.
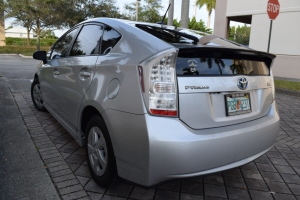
[[273, 9]]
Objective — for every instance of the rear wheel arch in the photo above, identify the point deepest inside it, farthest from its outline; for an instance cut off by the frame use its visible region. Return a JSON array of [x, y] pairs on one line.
[[87, 113]]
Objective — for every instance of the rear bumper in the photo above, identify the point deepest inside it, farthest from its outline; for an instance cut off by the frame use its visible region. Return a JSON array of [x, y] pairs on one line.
[[166, 148]]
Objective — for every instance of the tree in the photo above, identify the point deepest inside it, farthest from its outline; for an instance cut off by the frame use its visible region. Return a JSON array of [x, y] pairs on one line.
[[42, 15], [37, 15], [48, 34], [210, 6], [147, 13], [194, 25], [199, 26], [241, 34], [176, 23], [80, 10], [217, 61], [16, 9], [130, 10]]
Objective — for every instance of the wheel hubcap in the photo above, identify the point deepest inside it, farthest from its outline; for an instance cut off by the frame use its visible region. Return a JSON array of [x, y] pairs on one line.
[[97, 151], [37, 95]]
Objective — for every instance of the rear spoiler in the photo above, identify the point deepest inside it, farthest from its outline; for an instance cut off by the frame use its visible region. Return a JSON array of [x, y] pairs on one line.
[[221, 52]]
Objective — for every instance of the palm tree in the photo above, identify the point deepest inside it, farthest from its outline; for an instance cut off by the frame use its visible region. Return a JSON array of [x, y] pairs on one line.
[[210, 6], [219, 62]]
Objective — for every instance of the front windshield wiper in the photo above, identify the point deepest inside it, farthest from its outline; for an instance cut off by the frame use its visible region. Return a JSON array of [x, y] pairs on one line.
[[195, 39]]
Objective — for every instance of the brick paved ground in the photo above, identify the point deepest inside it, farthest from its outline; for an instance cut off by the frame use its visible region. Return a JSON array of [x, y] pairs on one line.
[[275, 175]]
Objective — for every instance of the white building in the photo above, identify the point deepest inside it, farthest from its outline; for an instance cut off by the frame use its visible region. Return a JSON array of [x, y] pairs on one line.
[[18, 33], [285, 37]]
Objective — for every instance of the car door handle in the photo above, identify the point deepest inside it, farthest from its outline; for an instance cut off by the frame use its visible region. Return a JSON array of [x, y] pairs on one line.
[[85, 74]]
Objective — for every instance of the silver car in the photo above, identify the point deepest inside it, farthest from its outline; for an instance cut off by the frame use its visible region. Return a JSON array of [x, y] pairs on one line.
[[152, 102]]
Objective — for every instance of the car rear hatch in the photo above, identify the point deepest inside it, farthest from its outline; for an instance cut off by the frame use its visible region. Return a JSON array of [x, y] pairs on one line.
[[222, 86]]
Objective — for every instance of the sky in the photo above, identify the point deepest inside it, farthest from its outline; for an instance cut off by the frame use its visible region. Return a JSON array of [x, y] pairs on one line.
[[200, 13]]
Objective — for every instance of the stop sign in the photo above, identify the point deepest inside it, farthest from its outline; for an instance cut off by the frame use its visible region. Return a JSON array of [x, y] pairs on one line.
[[273, 9]]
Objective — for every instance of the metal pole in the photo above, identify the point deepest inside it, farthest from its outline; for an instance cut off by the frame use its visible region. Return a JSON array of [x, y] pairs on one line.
[[137, 10], [171, 13], [271, 23], [185, 6], [195, 10]]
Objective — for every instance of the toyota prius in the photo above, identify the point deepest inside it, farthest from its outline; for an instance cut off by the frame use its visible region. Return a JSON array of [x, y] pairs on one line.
[[151, 102]]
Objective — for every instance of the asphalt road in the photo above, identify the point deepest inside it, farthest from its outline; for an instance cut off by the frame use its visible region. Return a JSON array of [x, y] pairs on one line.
[[22, 172], [17, 71]]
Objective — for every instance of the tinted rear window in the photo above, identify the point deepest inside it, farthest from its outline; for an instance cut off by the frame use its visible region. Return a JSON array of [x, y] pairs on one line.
[[214, 63], [110, 38], [172, 34]]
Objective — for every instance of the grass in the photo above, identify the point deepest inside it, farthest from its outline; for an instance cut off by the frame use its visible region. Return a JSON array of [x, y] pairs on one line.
[[289, 85], [25, 50]]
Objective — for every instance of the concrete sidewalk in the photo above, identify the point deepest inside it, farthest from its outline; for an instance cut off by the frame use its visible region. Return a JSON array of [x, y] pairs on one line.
[[273, 176], [23, 174]]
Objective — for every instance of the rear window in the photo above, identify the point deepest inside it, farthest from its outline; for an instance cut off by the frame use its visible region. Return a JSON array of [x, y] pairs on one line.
[[172, 34], [191, 63]]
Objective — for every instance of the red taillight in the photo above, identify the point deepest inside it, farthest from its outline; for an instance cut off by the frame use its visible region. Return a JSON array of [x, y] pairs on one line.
[[164, 112], [158, 83]]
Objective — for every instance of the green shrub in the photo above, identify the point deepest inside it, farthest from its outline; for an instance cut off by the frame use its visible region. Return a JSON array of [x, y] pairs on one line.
[[23, 41], [49, 43], [25, 50], [8, 41], [32, 43]]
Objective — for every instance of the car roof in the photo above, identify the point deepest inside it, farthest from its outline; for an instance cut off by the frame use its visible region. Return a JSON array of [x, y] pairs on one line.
[[205, 39]]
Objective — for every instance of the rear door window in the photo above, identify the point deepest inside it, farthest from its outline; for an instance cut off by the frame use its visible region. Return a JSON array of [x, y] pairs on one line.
[[88, 41]]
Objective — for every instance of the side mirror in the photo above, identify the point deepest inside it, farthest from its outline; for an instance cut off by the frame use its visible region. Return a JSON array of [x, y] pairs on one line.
[[40, 55]]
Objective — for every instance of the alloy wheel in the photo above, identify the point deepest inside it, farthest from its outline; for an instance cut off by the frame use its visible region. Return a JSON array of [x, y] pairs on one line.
[[37, 95], [97, 151]]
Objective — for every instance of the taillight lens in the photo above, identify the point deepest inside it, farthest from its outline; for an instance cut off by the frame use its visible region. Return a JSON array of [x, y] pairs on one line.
[[159, 84]]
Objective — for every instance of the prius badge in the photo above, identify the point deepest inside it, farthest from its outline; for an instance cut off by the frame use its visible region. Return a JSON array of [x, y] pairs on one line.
[[242, 83]]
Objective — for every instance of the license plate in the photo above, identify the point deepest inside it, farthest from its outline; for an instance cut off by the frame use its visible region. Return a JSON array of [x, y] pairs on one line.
[[237, 104]]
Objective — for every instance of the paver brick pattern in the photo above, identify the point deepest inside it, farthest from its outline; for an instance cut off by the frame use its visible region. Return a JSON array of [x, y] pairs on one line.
[[275, 175]]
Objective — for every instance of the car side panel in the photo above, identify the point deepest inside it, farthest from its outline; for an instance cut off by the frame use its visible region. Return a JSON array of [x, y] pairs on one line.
[[49, 83], [73, 86], [121, 64]]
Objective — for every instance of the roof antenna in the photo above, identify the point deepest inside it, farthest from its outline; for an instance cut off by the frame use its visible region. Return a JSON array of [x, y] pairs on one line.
[[162, 22]]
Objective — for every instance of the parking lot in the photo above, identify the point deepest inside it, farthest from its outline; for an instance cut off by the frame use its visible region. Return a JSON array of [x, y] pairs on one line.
[[275, 175]]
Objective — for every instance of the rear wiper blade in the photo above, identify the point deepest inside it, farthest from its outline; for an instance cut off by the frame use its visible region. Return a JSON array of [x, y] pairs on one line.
[[194, 38]]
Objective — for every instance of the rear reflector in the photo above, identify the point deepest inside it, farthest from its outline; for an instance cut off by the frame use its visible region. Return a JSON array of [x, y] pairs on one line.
[[164, 112]]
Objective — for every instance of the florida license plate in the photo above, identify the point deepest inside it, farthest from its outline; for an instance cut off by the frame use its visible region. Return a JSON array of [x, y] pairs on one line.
[[237, 104]]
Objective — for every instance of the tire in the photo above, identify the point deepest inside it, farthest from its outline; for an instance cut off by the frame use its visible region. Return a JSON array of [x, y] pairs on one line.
[[36, 95], [100, 156]]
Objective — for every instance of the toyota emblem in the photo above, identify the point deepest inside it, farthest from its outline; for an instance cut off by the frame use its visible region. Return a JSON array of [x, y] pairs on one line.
[[242, 83]]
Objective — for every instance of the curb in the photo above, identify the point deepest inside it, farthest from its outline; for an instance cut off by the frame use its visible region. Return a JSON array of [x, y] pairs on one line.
[[289, 92], [21, 55], [14, 54]]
